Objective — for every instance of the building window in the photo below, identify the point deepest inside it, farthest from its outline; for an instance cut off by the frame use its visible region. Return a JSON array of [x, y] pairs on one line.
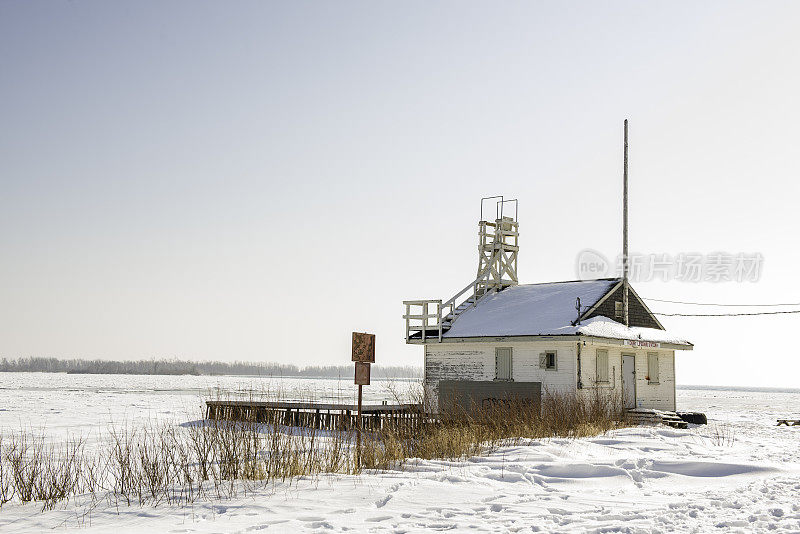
[[652, 368], [548, 360], [618, 311], [602, 366], [503, 362]]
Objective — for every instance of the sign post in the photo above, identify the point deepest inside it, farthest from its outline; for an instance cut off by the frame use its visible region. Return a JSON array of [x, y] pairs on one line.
[[363, 356]]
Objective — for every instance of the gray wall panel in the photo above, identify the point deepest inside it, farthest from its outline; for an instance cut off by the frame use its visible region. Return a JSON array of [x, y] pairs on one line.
[[466, 394]]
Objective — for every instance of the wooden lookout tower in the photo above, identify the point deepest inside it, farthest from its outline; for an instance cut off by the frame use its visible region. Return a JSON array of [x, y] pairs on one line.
[[498, 247]]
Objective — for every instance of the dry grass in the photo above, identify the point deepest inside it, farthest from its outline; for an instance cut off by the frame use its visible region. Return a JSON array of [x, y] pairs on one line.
[[462, 433], [721, 434], [163, 463]]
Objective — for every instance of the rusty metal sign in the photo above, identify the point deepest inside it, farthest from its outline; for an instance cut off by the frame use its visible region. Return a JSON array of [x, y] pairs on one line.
[[362, 373], [363, 347]]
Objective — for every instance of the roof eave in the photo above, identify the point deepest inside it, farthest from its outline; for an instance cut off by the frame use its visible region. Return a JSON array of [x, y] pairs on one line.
[[539, 337]]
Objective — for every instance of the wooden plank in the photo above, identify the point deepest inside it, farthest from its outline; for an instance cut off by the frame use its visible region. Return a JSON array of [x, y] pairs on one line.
[[789, 422]]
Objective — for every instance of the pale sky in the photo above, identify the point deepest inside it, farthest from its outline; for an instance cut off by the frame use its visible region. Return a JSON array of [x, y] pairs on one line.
[[255, 180]]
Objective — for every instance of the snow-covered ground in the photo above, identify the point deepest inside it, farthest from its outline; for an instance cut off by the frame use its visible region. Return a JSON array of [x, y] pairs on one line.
[[739, 473]]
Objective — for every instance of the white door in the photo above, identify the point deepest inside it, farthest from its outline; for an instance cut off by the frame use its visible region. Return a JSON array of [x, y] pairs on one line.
[[628, 381]]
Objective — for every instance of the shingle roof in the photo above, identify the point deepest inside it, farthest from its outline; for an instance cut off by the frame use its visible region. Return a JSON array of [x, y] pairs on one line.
[[547, 309]]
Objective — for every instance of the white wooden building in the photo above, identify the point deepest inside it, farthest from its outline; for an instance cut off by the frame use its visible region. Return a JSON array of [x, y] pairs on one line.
[[497, 336]]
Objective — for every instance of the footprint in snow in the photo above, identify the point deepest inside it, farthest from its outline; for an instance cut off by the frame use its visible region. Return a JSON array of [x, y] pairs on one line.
[[311, 519], [256, 528], [378, 518]]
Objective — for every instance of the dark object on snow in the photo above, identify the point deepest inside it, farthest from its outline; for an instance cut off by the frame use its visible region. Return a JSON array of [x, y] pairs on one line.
[[695, 418], [789, 422]]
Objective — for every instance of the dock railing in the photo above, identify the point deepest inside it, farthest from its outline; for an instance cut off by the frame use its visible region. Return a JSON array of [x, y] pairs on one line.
[[325, 416]]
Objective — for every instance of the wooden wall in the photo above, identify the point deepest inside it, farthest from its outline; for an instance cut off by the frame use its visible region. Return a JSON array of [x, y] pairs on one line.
[[475, 361], [659, 396]]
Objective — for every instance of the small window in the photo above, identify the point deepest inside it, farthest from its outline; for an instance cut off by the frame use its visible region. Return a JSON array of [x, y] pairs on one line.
[[602, 366], [618, 311], [548, 360], [502, 363], [652, 368]]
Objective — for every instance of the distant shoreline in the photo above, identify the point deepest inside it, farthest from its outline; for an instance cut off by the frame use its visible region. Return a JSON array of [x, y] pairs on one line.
[[190, 368]]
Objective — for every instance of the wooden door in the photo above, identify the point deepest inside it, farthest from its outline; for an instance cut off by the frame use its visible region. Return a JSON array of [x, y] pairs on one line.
[[629, 380]]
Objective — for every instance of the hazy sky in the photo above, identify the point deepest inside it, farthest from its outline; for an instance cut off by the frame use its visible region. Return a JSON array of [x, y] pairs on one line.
[[255, 180]]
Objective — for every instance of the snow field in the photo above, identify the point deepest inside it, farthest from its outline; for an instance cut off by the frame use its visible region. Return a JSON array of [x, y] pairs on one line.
[[645, 479], [740, 473]]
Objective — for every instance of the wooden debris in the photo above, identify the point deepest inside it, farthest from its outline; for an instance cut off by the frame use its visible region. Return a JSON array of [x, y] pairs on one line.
[[789, 422]]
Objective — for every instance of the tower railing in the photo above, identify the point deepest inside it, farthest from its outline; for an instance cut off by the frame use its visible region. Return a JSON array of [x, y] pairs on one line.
[[431, 318]]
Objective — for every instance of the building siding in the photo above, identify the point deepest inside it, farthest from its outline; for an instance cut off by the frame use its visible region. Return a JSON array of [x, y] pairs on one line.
[[659, 396], [475, 361]]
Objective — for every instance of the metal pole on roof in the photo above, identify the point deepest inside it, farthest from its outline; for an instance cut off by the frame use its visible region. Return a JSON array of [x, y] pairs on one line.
[[625, 229]]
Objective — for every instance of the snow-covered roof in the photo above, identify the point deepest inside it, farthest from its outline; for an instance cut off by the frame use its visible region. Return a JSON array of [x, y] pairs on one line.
[[604, 327], [546, 310]]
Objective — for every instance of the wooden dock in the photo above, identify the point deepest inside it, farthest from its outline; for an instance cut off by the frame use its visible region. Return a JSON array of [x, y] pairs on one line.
[[324, 416]]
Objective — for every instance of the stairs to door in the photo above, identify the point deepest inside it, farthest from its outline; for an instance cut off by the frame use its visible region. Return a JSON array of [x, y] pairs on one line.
[[644, 416]]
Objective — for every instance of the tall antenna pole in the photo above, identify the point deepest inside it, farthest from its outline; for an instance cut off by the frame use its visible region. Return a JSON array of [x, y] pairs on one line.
[[625, 229]]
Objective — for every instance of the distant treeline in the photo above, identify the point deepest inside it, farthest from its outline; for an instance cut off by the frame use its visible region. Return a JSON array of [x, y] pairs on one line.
[[186, 367]]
